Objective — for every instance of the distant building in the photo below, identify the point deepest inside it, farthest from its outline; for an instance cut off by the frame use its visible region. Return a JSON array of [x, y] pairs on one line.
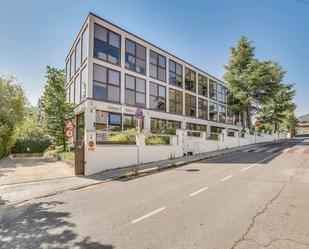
[[303, 125]]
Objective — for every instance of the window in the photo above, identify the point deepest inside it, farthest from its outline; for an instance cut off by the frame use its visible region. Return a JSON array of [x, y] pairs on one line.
[[77, 90], [135, 89], [195, 127], [129, 122], [190, 80], [106, 84], [84, 81], [202, 85], [213, 90], [72, 65], [157, 68], [157, 97], [190, 105], [160, 125], [175, 73], [221, 93], [72, 93], [67, 71], [106, 45], [107, 121], [222, 114], [213, 111], [77, 55], [202, 108], [85, 38], [175, 101], [135, 57]]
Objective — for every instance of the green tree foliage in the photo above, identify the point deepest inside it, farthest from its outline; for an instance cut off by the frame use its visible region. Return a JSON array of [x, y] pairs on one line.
[[56, 111], [12, 107], [253, 84]]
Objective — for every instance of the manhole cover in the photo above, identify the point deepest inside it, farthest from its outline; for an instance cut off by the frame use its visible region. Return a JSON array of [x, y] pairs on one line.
[[192, 170]]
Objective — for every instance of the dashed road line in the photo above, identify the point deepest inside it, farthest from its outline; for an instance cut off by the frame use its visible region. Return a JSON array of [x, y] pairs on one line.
[[225, 178], [148, 215], [250, 166], [199, 191]]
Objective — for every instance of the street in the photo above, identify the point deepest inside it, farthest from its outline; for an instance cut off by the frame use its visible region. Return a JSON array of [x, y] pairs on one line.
[[255, 198]]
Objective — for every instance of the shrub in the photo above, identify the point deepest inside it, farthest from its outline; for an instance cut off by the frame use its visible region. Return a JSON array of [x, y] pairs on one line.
[[121, 137], [157, 140], [31, 145], [213, 137]]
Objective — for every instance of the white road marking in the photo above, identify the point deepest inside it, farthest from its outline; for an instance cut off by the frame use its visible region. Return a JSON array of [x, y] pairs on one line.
[[148, 215], [273, 149], [249, 150], [225, 178], [250, 166], [199, 191]]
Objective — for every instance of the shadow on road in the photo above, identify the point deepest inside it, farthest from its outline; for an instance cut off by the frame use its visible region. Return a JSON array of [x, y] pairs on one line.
[[38, 225]]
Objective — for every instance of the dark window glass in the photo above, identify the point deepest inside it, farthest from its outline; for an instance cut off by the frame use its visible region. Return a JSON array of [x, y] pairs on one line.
[[135, 89], [77, 55], [106, 83], [190, 105], [221, 93], [190, 80], [195, 127], [202, 109], [213, 90], [114, 119], [135, 57], [202, 85], [175, 73], [106, 45], [213, 111], [157, 96], [222, 114], [175, 101], [160, 125], [157, 66]]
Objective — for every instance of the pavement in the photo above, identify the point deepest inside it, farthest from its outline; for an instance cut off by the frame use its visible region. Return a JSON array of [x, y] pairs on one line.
[[245, 199], [23, 179]]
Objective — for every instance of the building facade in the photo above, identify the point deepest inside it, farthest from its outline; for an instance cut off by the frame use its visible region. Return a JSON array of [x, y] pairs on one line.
[[110, 72]]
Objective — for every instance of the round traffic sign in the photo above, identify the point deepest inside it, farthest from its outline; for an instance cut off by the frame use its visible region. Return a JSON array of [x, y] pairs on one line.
[[69, 133], [257, 123], [139, 114]]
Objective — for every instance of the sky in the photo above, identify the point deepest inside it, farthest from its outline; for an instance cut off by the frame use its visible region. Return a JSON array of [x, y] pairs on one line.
[[35, 33]]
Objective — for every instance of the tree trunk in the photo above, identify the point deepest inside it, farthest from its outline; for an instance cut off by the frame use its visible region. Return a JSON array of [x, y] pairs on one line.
[[249, 117]]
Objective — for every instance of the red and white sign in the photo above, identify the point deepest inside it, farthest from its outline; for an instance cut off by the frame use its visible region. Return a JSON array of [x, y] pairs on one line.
[[257, 123], [69, 133], [139, 114], [69, 126]]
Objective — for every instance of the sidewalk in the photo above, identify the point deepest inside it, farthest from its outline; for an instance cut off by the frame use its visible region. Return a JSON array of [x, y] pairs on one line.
[[19, 192]]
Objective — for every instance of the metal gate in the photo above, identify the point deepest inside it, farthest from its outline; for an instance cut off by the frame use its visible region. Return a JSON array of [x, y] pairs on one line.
[[79, 157]]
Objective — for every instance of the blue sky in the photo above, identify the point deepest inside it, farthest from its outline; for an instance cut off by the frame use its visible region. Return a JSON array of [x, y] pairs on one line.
[[37, 33]]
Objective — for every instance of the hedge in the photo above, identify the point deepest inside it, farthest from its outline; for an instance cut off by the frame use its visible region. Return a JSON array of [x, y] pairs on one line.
[[31, 145]]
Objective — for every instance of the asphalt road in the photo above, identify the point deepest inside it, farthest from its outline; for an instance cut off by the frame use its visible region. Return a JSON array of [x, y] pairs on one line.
[[249, 199]]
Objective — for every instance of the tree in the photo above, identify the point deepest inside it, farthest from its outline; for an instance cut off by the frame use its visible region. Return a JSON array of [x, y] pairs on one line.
[[12, 107], [251, 83], [57, 112], [280, 107]]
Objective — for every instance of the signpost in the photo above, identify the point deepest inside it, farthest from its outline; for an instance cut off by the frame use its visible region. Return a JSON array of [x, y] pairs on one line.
[[69, 130], [139, 114]]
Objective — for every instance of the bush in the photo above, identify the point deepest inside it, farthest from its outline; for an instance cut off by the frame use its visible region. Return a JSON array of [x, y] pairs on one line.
[[31, 145], [123, 138], [157, 140], [213, 137]]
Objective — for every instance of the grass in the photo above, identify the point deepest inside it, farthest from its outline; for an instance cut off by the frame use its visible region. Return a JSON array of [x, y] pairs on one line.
[[213, 137]]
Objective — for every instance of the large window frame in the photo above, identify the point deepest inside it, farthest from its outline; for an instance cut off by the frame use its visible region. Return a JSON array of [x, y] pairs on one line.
[[175, 101], [85, 42], [137, 92], [190, 105], [190, 80], [135, 56], [78, 54], [203, 108], [175, 74], [156, 65], [107, 84], [202, 85], [157, 96], [106, 44], [213, 112], [222, 113], [213, 90], [221, 93]]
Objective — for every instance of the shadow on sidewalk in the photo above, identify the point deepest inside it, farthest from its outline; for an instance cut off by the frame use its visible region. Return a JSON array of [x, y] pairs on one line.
[[38, 225]]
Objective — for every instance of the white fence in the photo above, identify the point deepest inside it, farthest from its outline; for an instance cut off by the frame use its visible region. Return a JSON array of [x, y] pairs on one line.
[[109, 156]]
